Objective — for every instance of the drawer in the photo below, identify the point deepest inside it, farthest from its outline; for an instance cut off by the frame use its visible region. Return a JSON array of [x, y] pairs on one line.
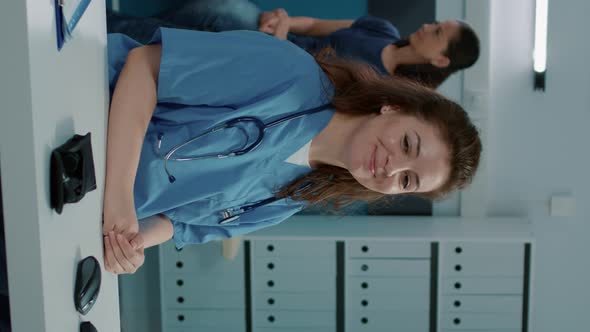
[[394, 321], [209, 329], [294, 248], [383, 286], [215, 299], [293, 265], [479, 266], [300, 319], [480, 330], [481, 286], [207, 261], [293, 329], [299, 283], [376, 302], [481, 321], [295, 301], [194, 319], [484, 250], [488, 304], [388, 267], [195, 284], [389, 249]]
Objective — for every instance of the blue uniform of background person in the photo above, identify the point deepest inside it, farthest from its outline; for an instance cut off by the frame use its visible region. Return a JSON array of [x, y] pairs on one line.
[[364, 40], [205, 79]]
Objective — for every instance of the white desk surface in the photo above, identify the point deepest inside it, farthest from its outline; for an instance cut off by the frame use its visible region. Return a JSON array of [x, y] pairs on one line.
[[47, 96]]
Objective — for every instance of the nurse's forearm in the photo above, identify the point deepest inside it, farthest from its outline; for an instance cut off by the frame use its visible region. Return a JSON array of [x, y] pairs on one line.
[[155, 230], [132, 106], [310, 26]]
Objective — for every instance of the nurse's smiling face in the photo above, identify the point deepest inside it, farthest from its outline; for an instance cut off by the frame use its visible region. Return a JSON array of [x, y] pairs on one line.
[[393, 153]]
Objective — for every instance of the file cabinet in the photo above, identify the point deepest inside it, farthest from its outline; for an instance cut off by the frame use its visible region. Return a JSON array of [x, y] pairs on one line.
[[199, 291], [482, 286], [293, 285], [387, 286]]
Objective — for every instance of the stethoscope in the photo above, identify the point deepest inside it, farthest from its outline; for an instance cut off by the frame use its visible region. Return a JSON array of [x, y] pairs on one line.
[[232, 214]]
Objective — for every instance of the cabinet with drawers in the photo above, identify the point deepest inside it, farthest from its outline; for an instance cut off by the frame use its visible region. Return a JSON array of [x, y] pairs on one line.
[[482, 286], [293, 285], [387, 286]]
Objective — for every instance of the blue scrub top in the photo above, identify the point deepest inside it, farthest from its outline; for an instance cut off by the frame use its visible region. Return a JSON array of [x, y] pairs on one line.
[[208, 78], [364, 40]]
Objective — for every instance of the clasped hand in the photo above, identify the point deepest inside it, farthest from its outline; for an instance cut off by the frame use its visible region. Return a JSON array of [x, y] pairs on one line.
[[123, 244]]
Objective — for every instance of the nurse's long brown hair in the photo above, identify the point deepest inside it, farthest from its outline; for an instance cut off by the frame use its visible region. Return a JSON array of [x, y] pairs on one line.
[[360, 90]]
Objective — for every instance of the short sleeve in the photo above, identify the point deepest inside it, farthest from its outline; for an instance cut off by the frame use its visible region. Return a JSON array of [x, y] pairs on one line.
[[188, 230], [192, 226], [226, 69], [376, 25]]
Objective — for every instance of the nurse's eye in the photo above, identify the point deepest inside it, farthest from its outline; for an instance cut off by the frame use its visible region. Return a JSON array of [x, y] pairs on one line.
[[405, 181], [406, 144]]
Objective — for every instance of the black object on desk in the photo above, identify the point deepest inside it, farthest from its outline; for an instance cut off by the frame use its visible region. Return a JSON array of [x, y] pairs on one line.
[[87, 327], [88, 279], [72, 171]]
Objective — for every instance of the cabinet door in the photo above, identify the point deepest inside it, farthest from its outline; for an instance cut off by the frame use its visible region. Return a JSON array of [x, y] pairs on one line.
[[286, 266], [465, 259], [294, 248], [481, 303], [481, 320], [303, 283], [391, 321], [206, 319], [388, 267], [387, 249], [393, 302], [295, 301], [292, 318], [482, 286], [387, 286]]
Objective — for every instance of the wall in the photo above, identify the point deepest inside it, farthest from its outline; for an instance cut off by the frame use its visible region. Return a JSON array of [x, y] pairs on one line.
[[537, 146]]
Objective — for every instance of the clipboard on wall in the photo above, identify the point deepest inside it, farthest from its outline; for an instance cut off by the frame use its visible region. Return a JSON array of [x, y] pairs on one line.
[[67, 16]]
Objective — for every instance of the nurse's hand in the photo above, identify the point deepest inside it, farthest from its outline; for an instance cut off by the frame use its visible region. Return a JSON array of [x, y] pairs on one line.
[[120, 219], [267, 22], [122, 256], [275, 22]]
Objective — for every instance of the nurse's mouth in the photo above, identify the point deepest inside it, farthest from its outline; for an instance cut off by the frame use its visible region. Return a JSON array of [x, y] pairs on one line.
[[371, 163]]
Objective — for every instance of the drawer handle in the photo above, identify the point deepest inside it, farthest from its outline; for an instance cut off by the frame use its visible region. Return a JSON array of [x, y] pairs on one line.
[[457, 285], [180, 299], [364, 267], [271, 301], [179, 264], [364, 320], [270, 266], [364, 303], [458, 267], [364, 249], [270, 247], [180, 318], [458, 250], [271, 318], [365, 285], [179, 282], [178, 249], [457, 321], [270, 283], [457, 304]]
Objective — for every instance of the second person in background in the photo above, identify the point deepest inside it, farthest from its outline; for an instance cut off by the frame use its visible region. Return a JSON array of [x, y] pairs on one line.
[[429, 55]]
